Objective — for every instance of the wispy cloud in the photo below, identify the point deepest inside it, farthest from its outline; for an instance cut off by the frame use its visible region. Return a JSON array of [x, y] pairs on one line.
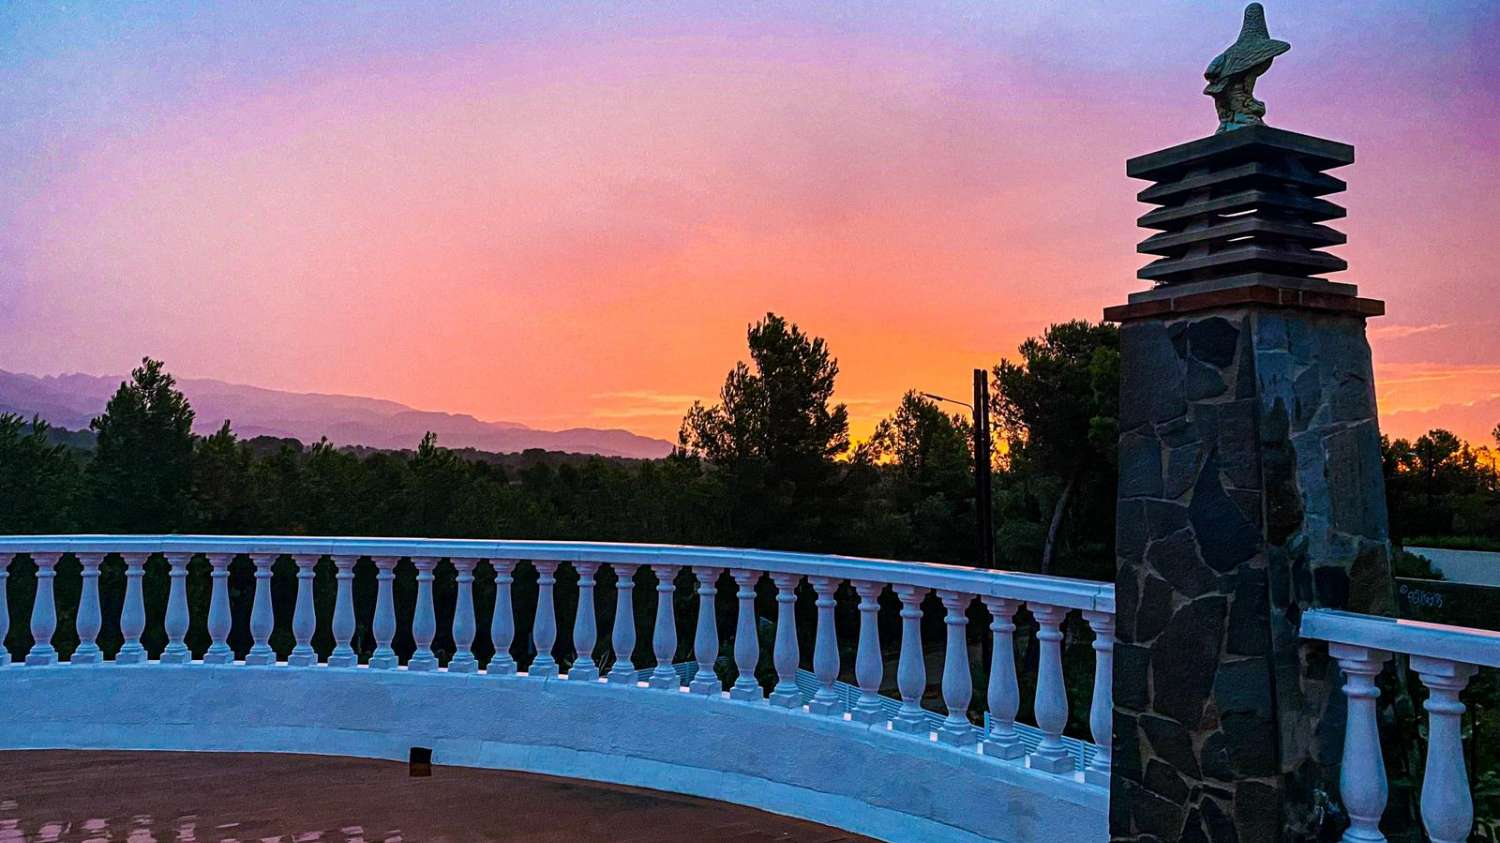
[[647, 396], [1393, 374], [1396, 332]]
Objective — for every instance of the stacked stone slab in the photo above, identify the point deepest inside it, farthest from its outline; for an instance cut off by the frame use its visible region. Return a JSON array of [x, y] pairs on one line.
[[1250, 491], [1243, 206]]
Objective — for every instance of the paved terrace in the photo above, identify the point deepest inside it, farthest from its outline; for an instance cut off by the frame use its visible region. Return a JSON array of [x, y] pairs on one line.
[[196, 796]]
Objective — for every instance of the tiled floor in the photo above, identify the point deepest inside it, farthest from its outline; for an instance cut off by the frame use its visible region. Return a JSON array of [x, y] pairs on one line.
[[177, 797]]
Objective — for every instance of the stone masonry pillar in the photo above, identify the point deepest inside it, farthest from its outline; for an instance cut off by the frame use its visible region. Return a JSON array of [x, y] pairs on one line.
[[1250, 491]]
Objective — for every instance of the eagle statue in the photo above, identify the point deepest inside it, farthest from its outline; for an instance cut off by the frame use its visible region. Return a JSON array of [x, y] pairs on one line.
[[1231, 76]]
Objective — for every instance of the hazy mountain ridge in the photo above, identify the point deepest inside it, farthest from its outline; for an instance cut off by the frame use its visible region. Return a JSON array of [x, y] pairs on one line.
[[71, 400]]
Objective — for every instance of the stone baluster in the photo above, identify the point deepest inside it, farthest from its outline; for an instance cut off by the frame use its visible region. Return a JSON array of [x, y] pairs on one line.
[[911, 671], [133, 612], [787, 652], [383, 625], [869, 667], [503, 624], [262, 619], [343, 654], [424, 619], [544, 627], [958, 684], [1102, 706], [826, 649], [1362, 782], [43, 611], [706, 634], [90, 619], [463, 660], [664, 634], [176, 622], [746, 643], [304, 617], [585, 626], [1004, 693], [220, 621], [4, 608], [1447, 806], [1051, 705], [623, 637]]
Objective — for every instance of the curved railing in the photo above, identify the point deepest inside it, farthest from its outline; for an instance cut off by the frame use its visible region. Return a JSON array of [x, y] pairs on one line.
[[833, 754]]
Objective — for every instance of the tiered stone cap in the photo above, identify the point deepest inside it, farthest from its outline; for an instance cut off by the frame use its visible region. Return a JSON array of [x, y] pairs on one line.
[[1241, 202], [1240, 220]]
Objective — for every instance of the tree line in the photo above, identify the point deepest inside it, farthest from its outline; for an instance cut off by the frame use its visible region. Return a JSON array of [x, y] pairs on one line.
[[769, 464]]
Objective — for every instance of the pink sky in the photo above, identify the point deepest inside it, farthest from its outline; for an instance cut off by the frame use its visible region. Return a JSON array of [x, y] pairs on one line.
[[568, 217]]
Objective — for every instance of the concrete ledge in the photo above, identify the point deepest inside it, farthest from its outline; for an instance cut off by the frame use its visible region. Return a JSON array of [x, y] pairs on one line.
[[862, 778], [1260, 294]]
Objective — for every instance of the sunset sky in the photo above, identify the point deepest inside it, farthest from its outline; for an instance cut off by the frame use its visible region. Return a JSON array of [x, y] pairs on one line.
[[566, 214]]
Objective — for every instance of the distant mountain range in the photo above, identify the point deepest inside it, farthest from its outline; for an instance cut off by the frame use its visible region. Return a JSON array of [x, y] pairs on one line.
[[70, 401]]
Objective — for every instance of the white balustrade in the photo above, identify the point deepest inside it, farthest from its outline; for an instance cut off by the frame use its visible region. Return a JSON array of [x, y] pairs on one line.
[[304, 621], [424, 619], [1052, 698], [825, 649], [787, 652], [463, 660], [544, 626], [503, 624], [911, 670], [1362, 776], [343, 654], [664, 633], [958, 685], [1447, 807], [869, 668], [90, 620], [220, 621], [133, 613], [1445, 657], [622, 638], [1049, 600], [383, 625], [176, 622], [746, 643], [1004, 692], [262, 619], [1051, 706], [5, 560], [585, 626], [1102, 706], [706, 633], [43, 611]]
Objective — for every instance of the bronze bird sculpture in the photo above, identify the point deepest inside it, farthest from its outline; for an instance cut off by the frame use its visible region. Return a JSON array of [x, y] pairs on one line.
[[1231, 76]]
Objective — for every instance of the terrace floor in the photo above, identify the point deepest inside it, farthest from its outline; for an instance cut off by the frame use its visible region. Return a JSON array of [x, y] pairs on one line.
[[138, 797]]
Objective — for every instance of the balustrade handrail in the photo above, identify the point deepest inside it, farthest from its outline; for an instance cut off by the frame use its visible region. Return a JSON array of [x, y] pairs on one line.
[[1479, 647], [1055, 591]]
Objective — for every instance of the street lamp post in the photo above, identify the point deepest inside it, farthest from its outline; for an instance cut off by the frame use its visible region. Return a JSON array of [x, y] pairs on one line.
[[985, 538]]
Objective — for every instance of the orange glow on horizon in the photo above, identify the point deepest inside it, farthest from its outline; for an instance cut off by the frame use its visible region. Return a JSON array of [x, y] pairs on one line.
[[571, 230]]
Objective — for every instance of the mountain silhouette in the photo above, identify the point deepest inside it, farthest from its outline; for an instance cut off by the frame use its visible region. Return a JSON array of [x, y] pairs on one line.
[[70, 401]]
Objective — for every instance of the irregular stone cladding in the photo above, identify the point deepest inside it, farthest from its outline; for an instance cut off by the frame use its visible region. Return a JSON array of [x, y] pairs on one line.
[[1250, 490]]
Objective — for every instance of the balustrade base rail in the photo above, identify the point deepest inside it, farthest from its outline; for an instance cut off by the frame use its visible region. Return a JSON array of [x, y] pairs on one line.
[[828, 770]]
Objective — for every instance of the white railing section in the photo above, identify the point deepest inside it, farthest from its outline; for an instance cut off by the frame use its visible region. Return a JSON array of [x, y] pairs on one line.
[[1445, 657], [1049, 600]]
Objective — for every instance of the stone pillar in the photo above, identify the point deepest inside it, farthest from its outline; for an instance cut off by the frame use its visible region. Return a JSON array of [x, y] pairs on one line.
[[1250, 491]]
